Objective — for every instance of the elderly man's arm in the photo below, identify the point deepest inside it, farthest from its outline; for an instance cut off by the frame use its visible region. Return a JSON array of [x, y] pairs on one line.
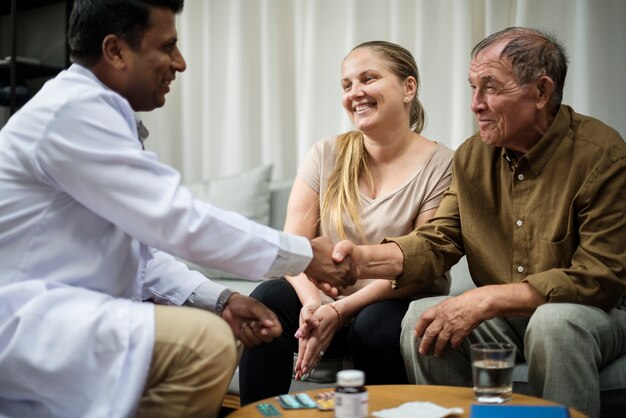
[[381, 261], [450, 321]]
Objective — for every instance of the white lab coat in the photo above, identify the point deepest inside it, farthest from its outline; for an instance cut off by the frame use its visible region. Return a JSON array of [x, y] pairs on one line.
[[82, 212]]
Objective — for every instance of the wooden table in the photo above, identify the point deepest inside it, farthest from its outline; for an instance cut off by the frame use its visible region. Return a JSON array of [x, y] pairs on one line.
[[390, 396]]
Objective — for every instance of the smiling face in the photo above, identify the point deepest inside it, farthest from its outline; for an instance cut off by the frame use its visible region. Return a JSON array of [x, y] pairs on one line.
[[153, 66], [373, 96], [508, 114]]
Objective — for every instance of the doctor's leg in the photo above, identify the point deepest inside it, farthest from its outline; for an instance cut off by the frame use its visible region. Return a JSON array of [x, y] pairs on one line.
[[192, 364]]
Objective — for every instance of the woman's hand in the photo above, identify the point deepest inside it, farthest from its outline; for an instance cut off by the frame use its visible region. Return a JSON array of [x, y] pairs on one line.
[[312, 346], [308, 321]]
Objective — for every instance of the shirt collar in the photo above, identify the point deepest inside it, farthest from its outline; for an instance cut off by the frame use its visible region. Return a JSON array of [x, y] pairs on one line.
[[86, 72], [142, 131], [542, 151]]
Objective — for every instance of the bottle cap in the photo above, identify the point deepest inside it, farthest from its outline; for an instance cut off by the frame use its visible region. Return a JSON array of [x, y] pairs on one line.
[[350, 378]]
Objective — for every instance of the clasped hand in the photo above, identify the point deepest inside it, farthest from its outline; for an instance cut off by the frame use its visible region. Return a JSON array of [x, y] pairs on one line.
[[332, 266], [318, 325], [251, 321]]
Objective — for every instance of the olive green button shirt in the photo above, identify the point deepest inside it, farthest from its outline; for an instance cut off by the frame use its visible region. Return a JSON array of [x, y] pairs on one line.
[[555, 218]]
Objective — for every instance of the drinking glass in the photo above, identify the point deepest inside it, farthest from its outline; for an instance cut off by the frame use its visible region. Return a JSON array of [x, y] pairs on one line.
[[492, 371]]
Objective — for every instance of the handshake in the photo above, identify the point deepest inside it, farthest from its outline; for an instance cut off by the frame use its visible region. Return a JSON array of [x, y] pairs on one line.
[[333, 267]]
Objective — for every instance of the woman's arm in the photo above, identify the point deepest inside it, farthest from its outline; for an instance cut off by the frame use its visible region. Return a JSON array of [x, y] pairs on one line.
[[424, 217], [303, 219]]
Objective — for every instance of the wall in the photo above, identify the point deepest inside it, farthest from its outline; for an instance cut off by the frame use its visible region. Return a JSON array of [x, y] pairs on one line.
[[263, 77]]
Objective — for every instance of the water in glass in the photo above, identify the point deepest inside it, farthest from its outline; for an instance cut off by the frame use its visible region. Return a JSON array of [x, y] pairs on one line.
[[492, 380]]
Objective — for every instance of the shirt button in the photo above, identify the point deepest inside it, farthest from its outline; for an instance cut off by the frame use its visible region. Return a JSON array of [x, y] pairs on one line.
[[519, 222], [120, 314], [520, 177], [520, 269]]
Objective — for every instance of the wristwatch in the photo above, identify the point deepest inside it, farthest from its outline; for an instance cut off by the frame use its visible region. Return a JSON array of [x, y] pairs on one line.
[[222, 300]]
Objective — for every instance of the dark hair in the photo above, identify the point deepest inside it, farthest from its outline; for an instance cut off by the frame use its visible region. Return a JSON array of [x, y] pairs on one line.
[[533, 54], [403, 65], [92, 20]]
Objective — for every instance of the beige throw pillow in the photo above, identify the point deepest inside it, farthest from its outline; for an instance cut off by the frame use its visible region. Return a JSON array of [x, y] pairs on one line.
[[247, 193]]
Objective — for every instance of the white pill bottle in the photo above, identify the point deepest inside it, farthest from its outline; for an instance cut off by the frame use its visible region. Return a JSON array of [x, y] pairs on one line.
[[351, 399]]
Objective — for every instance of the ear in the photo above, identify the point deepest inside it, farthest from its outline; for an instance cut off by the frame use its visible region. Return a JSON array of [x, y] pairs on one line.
[[114, 51], [410, 87], [545, 87]]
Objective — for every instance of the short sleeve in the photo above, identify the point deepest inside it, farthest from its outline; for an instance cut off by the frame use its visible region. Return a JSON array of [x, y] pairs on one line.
[[317, 161], [439, 177]]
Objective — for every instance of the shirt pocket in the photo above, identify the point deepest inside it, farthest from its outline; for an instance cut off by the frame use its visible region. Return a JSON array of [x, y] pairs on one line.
[[556, 254]]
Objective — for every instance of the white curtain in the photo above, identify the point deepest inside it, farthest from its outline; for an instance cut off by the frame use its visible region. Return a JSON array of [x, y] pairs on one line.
[[262, 80]]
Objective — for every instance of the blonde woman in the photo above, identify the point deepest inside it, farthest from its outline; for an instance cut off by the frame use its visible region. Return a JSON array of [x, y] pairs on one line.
[[383, 179]]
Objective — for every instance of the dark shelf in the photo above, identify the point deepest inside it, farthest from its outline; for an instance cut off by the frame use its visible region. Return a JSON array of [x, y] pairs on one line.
[[14, 74], [26, 70], [5, 5]]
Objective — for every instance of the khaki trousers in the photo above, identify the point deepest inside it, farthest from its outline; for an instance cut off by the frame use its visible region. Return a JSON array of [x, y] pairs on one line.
[[192, 364]]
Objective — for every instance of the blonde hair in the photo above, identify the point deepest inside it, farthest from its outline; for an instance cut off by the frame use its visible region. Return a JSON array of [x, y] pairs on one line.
[[342, 192]]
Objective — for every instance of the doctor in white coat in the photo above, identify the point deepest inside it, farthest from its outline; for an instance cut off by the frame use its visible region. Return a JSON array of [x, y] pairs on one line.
[[87, 222]]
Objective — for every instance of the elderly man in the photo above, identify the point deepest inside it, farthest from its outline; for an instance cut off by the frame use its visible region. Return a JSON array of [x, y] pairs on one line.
[[87, 219], [536, 204]]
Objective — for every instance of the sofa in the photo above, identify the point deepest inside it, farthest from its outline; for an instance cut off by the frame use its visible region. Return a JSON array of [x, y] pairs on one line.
[[612, 377]]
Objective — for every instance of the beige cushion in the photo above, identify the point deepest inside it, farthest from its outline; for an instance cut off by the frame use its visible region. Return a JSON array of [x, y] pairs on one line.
[[247, 193]]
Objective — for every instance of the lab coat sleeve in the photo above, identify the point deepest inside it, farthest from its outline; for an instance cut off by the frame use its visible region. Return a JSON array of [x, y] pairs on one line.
[[168, 281], [109, 174]]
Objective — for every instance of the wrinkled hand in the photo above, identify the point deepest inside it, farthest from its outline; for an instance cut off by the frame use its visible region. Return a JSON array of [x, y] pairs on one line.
[[251, 321], [311, 346], [343, 250], [325, 269], [449, 322]]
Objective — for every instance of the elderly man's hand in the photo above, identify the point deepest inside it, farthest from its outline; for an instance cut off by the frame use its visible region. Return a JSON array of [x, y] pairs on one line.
[[450, 322], [324, 270], [251, 321]]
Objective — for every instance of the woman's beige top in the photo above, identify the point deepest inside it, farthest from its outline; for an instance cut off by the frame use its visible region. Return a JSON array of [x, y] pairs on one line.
[[384, 216]]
